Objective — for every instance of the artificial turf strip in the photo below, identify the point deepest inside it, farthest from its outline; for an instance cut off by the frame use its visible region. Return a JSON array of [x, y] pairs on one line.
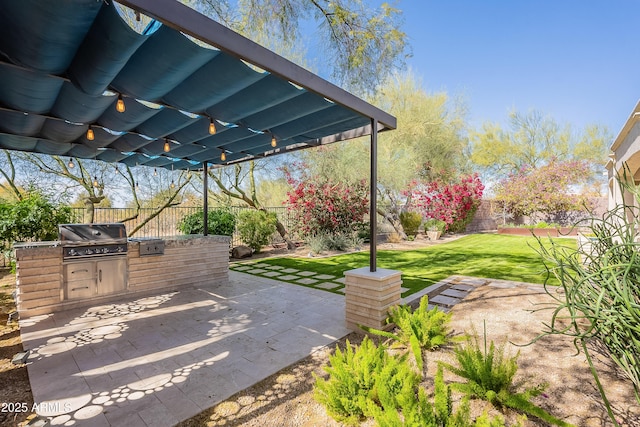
[[491, 256]]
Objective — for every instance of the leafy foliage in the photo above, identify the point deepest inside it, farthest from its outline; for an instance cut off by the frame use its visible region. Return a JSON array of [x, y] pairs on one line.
[[546, 189], [220, 221], [362, 378], [410, 222], [420, 412], [329, 207], [489, 374], [601, 295], [453, 201], [256, 227], [419, 330], [33, 218], [533, 140]]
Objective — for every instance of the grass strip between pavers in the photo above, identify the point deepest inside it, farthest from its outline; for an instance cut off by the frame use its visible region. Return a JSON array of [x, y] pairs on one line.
[[490, 256]]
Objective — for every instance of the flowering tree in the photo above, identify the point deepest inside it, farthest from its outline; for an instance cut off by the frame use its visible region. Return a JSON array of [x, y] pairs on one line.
[[548, 189], [453, 201], [331, 207]]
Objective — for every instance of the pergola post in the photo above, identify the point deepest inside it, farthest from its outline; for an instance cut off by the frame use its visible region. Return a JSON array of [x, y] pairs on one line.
[[370, 292], [205, 197]]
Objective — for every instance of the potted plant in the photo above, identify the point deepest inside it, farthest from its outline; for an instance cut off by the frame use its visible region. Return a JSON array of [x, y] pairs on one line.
[[434, 228]]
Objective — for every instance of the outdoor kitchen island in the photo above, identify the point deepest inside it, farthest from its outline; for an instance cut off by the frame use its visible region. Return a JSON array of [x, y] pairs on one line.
[[52, 277]]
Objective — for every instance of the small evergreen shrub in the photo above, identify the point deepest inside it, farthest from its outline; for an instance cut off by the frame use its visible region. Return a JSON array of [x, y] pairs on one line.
[[410, 222], [361, 379], [489, 374], [338, 242], [418, 330], [256, 227], [433, 224], [221, 222], [317, 242]]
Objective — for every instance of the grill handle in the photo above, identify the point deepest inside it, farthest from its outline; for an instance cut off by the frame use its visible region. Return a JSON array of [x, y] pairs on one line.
[[80, 271], [100, 275], [81, 287]]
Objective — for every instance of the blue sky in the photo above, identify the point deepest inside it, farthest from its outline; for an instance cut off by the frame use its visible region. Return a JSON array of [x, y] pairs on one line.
[[577, 61]]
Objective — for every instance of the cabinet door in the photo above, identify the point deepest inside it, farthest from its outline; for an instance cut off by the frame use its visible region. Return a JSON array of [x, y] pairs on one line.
[[111, 275], [80, 280]]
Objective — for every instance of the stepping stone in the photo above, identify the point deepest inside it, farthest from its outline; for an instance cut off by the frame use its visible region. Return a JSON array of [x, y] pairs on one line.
[[341, 290], [454, 293], [261, 265], [272, 273], [503, 285], [444, 301], [289, 270], [327, 285], [306, 281], [462, 287], [275, 267], [325, 277], [474, 282], [305, 273], [243, 267], [340, 280], [256, 271], [403, 290], [288, 277]]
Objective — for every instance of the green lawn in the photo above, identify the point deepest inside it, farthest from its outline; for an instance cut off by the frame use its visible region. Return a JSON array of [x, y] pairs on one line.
[[479, 255]]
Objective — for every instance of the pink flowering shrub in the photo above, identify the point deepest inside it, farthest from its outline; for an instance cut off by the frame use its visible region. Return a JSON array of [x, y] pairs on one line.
[[546, 189], [327, 207], [452, 201]]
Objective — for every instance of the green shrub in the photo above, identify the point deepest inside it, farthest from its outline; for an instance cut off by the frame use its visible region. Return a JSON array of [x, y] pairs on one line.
[[221, 222], [419, 411], [410, 222], [418, 330], [34, 218], [361, 379], [433, 224], [489, 374], [256, 227], [317, 242], [338, 242]]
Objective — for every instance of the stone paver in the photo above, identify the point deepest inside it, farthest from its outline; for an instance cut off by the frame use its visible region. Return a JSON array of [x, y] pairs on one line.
[[256, 271], [324, 277], [242, 267], [290, 270], [307, 281], [327, 285], [158, 360], [444, 301], [275, 267], [454, 293], [272, 273], [306, 273], [288, 277]]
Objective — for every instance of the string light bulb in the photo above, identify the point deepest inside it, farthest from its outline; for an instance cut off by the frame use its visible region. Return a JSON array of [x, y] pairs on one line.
[[155, 171], [212, 127], [274, 143], [95, 181], [173, 185], [70, 164], [90, 135], [223, 156], [120, 105], [166, 147]]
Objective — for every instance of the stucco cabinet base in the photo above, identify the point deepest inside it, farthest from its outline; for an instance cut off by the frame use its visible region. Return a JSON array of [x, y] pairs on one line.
[[369, 296], [187, 261]]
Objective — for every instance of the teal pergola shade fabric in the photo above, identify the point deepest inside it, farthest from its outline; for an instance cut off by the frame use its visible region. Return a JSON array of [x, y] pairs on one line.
[[64, 64]]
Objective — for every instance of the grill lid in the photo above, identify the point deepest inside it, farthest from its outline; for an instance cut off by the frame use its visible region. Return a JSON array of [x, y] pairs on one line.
[[92, 233]]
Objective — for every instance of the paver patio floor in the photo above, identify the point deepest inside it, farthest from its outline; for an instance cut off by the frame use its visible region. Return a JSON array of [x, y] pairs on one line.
[[157, 360]]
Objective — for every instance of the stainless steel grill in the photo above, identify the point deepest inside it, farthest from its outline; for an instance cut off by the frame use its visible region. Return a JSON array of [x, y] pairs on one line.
[[94, 259], [92, 240]]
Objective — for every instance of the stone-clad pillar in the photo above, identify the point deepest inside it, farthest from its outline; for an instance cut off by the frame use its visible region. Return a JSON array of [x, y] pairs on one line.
[[369, 295]]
